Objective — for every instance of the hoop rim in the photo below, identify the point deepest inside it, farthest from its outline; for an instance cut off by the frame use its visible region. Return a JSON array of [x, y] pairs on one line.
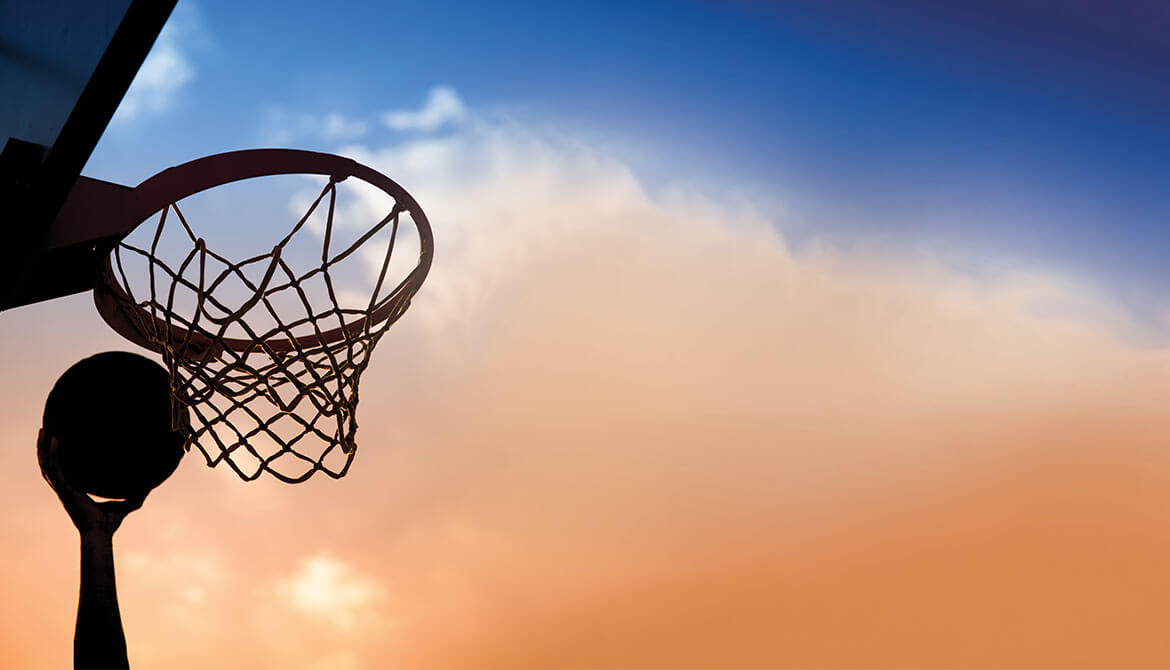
[[181, 181]]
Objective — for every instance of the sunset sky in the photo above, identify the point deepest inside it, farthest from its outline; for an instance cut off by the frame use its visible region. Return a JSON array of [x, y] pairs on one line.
[[759, 335]]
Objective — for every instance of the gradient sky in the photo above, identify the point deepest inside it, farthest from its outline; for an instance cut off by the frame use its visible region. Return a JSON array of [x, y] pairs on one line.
[[759, 335], [1033, 131]]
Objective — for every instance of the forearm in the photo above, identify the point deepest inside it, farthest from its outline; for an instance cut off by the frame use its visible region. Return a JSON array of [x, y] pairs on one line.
[[98, 641]]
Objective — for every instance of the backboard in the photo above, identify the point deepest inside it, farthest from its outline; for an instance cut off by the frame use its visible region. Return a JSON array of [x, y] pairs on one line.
[[64, 68]]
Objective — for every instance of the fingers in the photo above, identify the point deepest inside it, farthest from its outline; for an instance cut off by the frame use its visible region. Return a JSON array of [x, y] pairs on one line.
[[47, 448], [134, 503], [56, 475], [114, 512], [83, 510], [43, 457]]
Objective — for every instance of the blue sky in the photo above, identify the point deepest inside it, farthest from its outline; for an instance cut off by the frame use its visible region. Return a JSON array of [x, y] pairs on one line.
[[1025, 134]]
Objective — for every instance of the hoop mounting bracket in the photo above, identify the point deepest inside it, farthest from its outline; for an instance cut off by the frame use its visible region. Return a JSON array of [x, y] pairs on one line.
[[69, 255]]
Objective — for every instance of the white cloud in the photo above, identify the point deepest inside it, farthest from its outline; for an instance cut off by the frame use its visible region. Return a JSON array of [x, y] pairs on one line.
[[323, 587], [181, 582], [167, 69], [337, 127], [281, 127], [443, 106], [497, 193]]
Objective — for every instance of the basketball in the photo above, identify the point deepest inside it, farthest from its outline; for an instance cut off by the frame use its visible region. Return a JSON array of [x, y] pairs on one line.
[[111, 415]]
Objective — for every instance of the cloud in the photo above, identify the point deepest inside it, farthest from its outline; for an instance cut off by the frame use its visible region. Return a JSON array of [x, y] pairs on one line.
[[167, 70], [325, 588], [655, 421], [337, 127], [181, 580], [498, 193], [282, 127], [443, 106], [634, 427]]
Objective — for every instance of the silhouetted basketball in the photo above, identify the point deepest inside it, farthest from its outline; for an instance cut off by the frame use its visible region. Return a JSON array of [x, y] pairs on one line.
[[111, 415]]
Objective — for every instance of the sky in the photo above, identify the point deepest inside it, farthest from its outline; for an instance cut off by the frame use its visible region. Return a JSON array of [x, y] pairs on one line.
[[758, 335]]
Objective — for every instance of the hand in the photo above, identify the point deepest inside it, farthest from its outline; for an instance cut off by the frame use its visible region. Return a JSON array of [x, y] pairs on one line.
[[87, 514]]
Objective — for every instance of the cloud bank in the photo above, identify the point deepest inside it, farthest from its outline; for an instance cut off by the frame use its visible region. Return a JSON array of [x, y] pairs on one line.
[[633, 428], [670, 441]]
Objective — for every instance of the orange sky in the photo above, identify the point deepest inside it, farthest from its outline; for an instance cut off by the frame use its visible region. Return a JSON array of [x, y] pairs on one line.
[[632, 429]]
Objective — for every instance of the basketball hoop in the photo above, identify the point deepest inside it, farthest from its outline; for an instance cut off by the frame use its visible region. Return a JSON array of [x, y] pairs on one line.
[[261, 397]]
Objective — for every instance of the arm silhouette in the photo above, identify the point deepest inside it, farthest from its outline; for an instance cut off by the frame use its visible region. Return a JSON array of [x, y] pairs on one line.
[[98, 640]]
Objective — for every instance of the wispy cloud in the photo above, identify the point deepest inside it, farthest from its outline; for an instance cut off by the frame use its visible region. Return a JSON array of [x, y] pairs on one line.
[[337, 127], [282, 127], [325, 588], [168, 68], [442, 106]]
